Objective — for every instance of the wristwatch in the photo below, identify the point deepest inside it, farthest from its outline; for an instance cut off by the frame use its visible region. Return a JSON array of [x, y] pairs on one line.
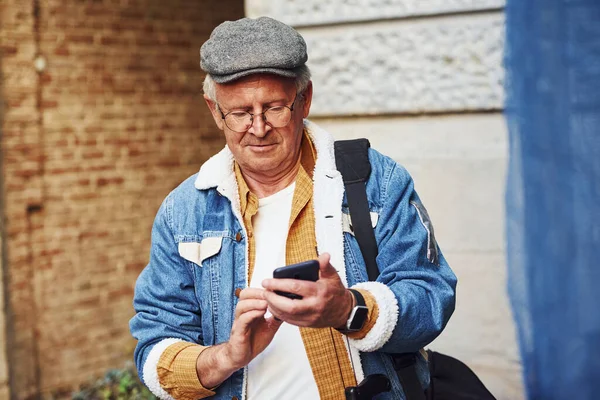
[[358, 315]]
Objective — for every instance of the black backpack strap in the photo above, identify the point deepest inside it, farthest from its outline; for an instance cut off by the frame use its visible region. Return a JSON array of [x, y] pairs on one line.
[[352, 160], [405, 366]]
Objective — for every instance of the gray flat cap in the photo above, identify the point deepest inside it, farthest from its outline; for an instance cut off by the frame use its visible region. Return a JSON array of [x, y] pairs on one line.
[[248, 46]]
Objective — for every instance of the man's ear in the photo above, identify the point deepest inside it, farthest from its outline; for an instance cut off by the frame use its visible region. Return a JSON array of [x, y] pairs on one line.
[[216, 114], [308, 92]]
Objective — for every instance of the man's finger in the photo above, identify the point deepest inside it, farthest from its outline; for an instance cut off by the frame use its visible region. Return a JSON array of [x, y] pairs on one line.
[[273, 323], [246, 305], [251, 293], [296, 286], [282, 305], [245, 320], [326, 270], [278, 302]]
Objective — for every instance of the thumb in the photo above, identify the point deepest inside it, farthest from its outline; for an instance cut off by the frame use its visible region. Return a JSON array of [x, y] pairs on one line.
[[325, 268], [273, 324]]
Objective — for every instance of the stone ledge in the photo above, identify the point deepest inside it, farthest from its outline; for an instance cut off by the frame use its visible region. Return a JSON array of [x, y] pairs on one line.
[[317, 12], [435, 65]]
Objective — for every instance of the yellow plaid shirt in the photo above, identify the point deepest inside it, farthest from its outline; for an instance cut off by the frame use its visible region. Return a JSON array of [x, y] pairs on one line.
[[325, 347]]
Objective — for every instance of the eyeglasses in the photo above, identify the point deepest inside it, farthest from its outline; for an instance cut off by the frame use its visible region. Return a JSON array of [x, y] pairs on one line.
[[276, 117]]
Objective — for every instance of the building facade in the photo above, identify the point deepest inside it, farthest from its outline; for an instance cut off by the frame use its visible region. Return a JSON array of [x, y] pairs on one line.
[[102, 116], [423, 81]]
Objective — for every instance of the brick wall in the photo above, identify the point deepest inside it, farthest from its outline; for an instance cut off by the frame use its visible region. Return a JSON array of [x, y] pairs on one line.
[[90, 147]]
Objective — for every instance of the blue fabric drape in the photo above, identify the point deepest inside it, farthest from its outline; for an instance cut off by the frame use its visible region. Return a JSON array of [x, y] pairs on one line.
[[553, 193]]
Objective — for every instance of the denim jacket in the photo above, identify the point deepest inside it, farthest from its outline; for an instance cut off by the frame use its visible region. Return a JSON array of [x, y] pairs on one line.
[[199, 251]]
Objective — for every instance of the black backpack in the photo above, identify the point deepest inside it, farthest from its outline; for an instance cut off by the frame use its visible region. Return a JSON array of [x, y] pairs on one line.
[[451, 379]]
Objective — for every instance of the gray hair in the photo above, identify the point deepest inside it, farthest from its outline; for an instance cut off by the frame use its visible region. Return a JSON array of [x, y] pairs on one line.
[[301, 80]]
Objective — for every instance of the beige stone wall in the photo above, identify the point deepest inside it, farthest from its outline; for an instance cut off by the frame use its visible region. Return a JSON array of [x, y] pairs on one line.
[[423, 80], [92, 141]]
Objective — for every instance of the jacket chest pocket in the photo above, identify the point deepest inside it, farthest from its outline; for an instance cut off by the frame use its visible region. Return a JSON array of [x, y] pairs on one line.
[[202, 256], [197, 252], [213, 274]]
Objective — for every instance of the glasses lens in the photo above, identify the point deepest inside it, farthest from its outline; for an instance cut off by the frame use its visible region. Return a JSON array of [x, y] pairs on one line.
[[278, 117], [241, 121], [238, 121]]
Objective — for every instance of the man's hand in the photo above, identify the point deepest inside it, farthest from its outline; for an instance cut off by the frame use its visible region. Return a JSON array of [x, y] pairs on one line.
[[325, 303], [251, 333]]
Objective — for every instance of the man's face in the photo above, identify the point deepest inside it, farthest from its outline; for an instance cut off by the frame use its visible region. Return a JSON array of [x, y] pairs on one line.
[[262, 150]]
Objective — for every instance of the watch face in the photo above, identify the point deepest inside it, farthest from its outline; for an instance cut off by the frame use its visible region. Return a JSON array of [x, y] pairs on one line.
[[359, 318]]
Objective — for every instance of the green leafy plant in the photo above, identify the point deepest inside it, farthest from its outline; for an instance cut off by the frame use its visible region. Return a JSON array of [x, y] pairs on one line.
[[117, 384]]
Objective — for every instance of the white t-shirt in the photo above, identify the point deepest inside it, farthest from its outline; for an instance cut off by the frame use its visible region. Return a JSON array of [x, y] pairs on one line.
[[282, 370]]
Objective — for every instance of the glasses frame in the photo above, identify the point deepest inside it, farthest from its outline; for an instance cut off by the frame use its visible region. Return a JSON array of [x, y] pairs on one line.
[[290, 107]]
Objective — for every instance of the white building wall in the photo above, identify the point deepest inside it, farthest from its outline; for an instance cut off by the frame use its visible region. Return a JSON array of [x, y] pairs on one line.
[[423, 80]]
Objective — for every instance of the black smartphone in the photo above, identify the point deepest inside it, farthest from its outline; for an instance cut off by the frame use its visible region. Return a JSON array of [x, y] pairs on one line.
[[306, 271]]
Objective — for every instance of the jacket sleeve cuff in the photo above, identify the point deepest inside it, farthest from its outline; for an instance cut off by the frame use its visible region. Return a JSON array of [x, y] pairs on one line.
[[177, 372], [379, 331], [150, 371], [170, 371], [371, 304]]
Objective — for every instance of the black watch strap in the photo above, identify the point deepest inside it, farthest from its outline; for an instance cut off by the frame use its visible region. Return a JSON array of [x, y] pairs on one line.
[[358, 314], [360, 300]]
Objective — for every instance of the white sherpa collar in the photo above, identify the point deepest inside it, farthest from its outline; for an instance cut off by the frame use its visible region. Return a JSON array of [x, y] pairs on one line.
[[216, 170]]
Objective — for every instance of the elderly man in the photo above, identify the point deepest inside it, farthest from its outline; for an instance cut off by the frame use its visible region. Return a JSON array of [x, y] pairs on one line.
[[209, 321]]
